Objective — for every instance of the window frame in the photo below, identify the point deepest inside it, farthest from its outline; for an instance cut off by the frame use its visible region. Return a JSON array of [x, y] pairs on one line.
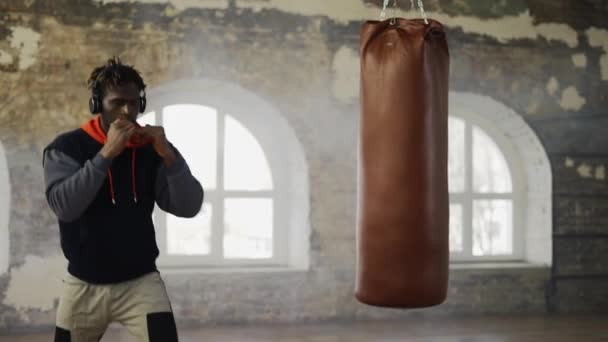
[[288, 181], [467, 198]]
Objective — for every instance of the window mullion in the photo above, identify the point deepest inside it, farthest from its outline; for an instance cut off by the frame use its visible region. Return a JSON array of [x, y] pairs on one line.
[[468, 193], [160, 217], [217, 232], [492, 196], [248, 194]]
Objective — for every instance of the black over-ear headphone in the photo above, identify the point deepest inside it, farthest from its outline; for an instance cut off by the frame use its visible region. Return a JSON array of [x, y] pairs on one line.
[[95, 102]]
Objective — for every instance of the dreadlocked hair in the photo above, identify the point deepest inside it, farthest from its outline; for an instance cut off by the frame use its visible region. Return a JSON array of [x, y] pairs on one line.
[[114, 74]]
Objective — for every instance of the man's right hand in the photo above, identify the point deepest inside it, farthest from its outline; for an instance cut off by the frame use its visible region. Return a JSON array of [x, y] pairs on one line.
[[119, 134]]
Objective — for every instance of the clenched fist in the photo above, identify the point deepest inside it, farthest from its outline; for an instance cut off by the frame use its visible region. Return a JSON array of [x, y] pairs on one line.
[[156, 136], [121, 130]]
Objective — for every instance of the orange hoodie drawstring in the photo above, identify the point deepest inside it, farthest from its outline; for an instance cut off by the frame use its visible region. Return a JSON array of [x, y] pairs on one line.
[[133, 180], [93, 129], [111, 187]]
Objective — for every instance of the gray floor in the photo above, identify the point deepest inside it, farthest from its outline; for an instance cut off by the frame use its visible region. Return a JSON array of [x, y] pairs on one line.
[[469, 329]]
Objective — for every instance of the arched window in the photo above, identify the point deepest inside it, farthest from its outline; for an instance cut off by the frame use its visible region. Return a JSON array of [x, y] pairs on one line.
[[5, 196], [495, 160], [252, 169]]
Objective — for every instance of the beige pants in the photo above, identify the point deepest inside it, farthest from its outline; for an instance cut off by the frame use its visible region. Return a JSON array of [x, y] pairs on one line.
[[141, 305]]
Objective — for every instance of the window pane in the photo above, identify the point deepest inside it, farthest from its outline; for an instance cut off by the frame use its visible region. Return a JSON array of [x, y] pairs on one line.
[[192, 129], [490, 170], [456, 151], [248, 226], [147, 119], [245, 164], [456, 228], [492, 227], [190, 236]]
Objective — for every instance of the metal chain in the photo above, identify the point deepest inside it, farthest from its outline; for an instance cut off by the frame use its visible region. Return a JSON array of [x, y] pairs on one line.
[[413, 7], [421, 6], [383, 13]]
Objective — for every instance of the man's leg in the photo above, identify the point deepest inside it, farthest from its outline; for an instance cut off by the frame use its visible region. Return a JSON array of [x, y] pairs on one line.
[[81, 315], [143, 307]]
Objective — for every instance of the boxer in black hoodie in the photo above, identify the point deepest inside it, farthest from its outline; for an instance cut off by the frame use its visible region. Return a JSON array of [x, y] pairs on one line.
[[102, 181]]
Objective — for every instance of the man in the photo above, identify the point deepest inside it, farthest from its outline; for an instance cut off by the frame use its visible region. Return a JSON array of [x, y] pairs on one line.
[[102, 181]]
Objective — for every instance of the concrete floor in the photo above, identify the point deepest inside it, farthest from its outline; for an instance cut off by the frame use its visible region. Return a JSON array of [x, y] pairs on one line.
[[469, 329]]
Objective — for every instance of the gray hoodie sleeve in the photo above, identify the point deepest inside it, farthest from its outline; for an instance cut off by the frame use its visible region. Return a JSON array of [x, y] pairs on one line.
[[177, 191], [70, 188]]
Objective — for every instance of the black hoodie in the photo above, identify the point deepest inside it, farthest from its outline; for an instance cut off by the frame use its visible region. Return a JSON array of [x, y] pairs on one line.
[[104, 207]]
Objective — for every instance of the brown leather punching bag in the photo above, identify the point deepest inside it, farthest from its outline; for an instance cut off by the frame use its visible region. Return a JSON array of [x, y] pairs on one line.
[[403, 203]]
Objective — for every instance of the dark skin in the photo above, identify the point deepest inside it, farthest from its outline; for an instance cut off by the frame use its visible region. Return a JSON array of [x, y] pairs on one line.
[[120, 110]]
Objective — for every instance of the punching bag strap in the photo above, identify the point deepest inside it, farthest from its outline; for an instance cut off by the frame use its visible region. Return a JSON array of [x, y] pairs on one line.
[[420, 7]]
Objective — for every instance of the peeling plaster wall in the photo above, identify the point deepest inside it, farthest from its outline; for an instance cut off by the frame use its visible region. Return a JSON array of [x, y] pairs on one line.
[[599, 38], [179, 5], [35, 271], [5, 199], [545, 60]]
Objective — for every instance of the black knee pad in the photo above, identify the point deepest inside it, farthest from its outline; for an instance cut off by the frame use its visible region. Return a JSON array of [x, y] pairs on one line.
[[161, 327], [62, 335]]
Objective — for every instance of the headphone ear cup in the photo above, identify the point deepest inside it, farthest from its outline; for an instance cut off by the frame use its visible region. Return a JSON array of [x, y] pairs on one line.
[[142, 104], [94, 102], [94, 105]]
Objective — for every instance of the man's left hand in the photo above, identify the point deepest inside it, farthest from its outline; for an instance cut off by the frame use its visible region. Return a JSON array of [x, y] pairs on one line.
[[156, 136]]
